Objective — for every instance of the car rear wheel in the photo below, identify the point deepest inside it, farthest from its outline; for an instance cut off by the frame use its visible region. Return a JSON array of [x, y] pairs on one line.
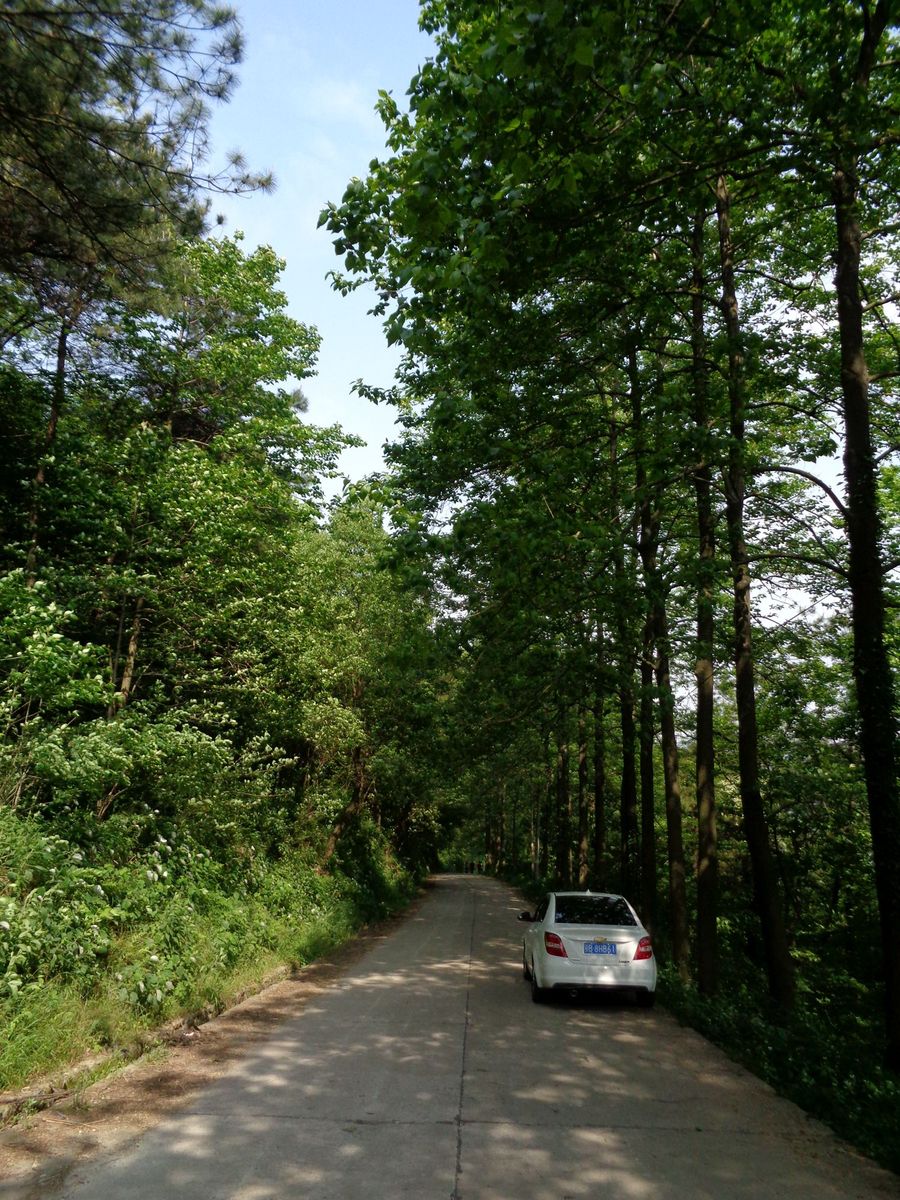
[[538, 994], [645, 999]]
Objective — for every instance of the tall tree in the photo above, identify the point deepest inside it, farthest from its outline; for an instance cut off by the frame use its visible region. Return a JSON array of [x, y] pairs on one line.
[[103, 123], [778, 959], [707, 842]]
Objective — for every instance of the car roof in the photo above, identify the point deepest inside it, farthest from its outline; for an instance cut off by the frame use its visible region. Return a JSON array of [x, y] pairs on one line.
[[587, 892]]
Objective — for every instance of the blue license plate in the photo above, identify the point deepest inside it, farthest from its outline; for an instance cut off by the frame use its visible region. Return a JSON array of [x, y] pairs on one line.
[[599, 947]]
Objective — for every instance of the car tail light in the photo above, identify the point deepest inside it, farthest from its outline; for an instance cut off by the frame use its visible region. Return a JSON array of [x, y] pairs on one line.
[[553, 944], [644, 949]]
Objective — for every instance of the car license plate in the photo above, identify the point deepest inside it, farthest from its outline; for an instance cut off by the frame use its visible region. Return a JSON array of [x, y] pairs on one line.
[[599, 947]]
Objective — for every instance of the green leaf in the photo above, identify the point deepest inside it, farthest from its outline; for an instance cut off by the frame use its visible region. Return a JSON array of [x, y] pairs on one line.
[[583, 52]]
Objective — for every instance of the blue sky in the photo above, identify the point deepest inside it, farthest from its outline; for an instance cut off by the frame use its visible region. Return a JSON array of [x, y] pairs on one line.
[[304, 109]]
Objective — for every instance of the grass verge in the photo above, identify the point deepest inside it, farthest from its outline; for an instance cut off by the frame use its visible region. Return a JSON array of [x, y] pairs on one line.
[[54, 1028], [96, 953]]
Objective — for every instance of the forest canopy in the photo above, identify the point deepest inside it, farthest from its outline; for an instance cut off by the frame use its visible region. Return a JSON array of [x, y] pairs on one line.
[[642, 261]]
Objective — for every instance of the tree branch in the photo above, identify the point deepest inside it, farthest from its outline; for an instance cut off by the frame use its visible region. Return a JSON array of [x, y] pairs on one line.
[[832, 495], [809, 560]]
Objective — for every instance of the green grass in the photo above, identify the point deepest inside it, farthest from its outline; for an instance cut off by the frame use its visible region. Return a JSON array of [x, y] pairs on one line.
[[106, 938], [53, 1025]]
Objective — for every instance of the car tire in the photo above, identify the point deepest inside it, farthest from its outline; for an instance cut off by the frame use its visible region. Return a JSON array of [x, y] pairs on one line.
[[538, 994], [645, 999], [526, 973]]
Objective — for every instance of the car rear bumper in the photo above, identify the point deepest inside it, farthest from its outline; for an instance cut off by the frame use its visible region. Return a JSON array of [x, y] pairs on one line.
[[564, 973]]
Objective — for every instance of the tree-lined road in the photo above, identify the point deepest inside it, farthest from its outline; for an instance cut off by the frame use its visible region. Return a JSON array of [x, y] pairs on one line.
[[426, 1072]]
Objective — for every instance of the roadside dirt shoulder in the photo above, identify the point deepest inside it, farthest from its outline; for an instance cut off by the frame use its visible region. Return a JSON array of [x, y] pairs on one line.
[[37, 1154]]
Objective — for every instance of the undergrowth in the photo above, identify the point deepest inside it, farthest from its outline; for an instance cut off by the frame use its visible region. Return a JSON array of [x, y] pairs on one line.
[[826, 1057], [108, 929]]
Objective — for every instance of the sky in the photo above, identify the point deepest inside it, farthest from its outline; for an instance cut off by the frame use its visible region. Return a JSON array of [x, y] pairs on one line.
[[304, 109]]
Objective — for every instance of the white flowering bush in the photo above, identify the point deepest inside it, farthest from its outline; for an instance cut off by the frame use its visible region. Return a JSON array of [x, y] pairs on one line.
[[55, 914], [135, 905]]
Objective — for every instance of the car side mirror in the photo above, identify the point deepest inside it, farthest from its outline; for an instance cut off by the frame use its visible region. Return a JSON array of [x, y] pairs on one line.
[[525, 916]]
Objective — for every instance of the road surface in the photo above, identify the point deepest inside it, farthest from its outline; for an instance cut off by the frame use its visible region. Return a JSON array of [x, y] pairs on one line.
[[426, 1072]]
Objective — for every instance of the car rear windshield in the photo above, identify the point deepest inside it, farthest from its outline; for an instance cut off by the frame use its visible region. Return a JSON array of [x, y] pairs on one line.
[[592, 910]]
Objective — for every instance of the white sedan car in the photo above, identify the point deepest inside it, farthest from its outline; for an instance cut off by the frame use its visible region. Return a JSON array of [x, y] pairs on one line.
[[587, 940]]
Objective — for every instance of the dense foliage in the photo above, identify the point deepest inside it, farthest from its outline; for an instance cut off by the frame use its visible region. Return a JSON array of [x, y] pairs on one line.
[[209, 679], [642, 260], [217, 700]]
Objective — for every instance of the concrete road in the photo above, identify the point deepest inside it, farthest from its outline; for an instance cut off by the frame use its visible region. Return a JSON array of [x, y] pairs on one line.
[[427, 1073]]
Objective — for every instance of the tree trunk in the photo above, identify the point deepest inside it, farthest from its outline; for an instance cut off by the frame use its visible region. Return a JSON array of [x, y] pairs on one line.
[[628, 800], [131, 655], [778, 960], [875, 695], [537, 796], [648, 787], [678, 918], [512, 858], [704, 667], [563, 801], [40, 477], [600, 770], [657, 634], [500, 831], [358, 793], [583, 823], [545, 825], [508, 829]]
